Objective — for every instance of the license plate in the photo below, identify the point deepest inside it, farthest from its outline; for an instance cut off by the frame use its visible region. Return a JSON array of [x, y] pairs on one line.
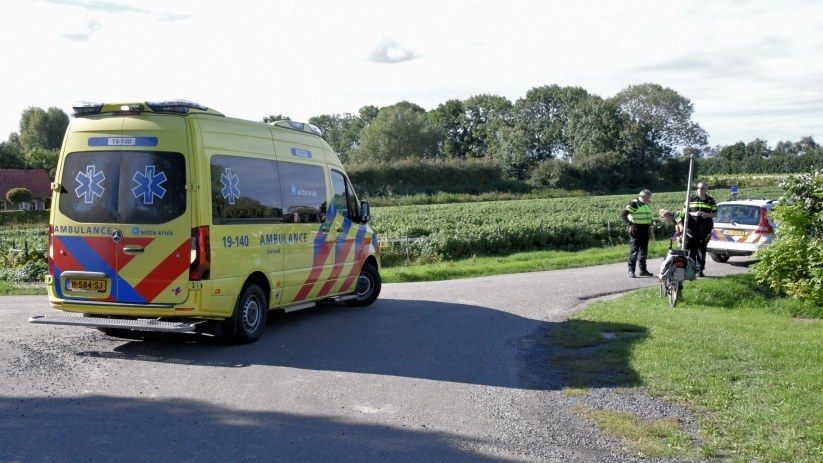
[[98, 286], [734, 232]]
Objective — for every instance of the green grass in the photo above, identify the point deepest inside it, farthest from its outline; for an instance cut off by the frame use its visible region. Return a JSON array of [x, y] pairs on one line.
[[21, 289], [729, 351], [515, 263]]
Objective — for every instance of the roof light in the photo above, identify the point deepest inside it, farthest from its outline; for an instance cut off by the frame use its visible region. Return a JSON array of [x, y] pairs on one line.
[[85, 108], [301, 126], [315, 129], [296, 125], [174, 106]]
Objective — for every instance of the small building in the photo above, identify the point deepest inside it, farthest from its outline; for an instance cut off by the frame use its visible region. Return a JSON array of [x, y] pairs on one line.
[[35, 180]]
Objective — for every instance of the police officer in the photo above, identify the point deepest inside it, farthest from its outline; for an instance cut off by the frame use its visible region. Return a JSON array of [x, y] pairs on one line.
[[638, 216], [704, 209]]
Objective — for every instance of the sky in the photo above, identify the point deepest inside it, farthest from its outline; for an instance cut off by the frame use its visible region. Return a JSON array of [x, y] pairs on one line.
[[751, 69]]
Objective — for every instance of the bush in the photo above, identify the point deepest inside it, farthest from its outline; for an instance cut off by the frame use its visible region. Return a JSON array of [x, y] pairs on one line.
[[39, 217], [18, 195], [793, 263], [33, 270]]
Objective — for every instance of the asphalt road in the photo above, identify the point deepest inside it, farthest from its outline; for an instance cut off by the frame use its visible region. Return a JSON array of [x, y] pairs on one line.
[[448, 371]]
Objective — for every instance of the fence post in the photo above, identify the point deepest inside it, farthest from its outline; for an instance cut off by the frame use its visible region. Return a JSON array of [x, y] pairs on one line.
[[408, 256], [25, 250]]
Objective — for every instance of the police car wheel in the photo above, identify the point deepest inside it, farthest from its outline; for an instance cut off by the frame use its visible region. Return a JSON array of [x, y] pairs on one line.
[[719, 257], [368, 286], [250, 314]]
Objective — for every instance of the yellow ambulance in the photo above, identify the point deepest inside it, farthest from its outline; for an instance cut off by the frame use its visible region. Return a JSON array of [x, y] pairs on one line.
[[169, 216]]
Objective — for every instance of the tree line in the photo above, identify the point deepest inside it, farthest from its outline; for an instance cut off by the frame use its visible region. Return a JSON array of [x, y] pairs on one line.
[[553, 137]]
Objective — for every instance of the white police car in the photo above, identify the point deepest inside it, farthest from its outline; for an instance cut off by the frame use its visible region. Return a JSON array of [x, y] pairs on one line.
[[741, 227]]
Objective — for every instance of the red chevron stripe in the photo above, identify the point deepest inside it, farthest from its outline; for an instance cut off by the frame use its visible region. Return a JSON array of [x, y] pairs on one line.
[[316, 270], [172, 267], [358, 264], [339, 262]]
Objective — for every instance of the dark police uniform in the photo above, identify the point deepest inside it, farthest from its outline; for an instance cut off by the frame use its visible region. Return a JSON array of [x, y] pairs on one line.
[[640, 215], [705, 224]]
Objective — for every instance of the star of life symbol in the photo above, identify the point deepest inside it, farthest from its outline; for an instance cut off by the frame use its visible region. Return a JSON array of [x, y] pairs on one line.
[[230, 181], [148, 185], [90, 184]]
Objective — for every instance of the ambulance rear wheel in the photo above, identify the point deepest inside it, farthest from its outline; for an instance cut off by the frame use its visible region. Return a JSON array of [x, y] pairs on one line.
[[250, 314], [368, 286]]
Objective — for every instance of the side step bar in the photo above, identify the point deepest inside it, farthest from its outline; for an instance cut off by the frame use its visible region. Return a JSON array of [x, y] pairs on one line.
[[102, 322]]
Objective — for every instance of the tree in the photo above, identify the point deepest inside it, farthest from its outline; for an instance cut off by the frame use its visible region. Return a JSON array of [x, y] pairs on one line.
[[543, 117], [734, 153], [805, 145], [39, 158], [11, 154], [19, 195], [595, 128], [342, 132], [484, 117], [450, 116], [510, 150], [758, 148], [43, 129], [659, 121], [398, 132]]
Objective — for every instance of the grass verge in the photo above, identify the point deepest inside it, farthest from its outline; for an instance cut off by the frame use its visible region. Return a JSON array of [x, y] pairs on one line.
[[21, 289], [748, 363], [537, 261]]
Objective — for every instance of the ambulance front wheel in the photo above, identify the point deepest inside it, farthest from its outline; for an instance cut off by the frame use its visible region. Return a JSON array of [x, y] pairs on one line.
[[368, 286], [250, 314]]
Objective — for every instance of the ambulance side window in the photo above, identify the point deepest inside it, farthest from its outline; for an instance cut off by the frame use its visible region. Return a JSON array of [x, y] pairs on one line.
[[303, 187], [344, 199], [245, 190]]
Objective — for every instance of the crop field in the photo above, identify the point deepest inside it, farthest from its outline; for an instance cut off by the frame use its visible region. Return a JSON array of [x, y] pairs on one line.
[[23, 253], [453, 231]]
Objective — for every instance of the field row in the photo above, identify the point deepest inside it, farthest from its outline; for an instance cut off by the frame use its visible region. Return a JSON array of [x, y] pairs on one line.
[[453, 231]]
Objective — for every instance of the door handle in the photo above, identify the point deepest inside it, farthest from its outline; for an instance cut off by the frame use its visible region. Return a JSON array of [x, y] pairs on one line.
[[133, 249]]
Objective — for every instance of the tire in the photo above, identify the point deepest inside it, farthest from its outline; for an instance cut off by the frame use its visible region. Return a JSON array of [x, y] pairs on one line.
[[368, 286], [662, 289], [250, 314], [674, 292], [719, 257]]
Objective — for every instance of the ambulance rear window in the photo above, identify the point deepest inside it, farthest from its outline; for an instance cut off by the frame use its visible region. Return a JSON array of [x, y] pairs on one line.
[[130, 187]]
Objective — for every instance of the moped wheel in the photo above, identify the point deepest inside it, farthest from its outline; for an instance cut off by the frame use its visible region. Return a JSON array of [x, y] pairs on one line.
[[674, 293]]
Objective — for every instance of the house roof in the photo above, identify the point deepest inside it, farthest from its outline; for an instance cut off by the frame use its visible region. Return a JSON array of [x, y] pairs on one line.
[[35, 180]]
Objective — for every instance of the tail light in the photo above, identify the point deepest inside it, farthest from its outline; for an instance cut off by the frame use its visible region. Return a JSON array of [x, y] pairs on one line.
[[51, 249], [764, 227], [200, 254], [680, 262]]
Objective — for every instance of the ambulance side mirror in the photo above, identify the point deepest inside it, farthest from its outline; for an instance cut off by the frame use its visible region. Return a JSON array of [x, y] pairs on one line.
[[365, 213]]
